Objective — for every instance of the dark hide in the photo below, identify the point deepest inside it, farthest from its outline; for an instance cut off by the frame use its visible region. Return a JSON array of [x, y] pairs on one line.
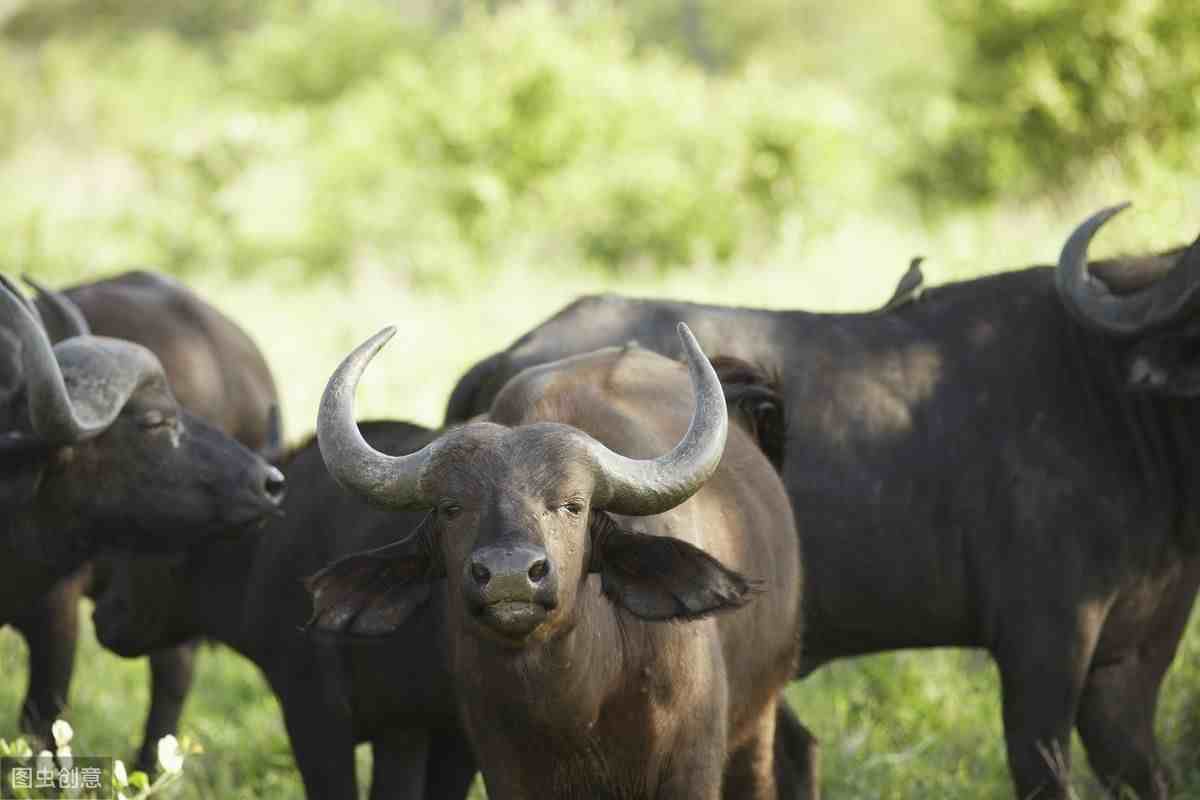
[[250, 595], [970, 470], [216, 373], [599, 697]]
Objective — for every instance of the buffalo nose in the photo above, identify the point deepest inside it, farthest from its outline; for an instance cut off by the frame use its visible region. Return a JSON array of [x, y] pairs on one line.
[[538, 570], [510, 573], [274, 485]]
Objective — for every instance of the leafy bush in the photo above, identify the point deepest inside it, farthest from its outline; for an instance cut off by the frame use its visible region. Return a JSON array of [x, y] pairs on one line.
[[1041, 90], [341, 138]]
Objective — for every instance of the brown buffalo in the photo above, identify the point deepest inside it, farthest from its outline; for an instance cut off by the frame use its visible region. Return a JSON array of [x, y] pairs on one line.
[[567, 550]]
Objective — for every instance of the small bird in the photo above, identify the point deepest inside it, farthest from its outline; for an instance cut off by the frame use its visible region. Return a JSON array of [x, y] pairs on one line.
[[911, 284]]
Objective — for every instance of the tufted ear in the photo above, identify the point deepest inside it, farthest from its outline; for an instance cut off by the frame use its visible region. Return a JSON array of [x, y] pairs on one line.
[[661, 578], [1167, 364], [374, 592]]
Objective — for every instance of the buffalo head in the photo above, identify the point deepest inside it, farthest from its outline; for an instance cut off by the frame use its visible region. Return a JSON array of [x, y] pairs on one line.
[[93, 442], [1157, 326], [518, 519]]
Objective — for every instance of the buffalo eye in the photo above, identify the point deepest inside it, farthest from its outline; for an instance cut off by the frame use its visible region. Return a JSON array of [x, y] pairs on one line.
[[153, 420], [572, 507]]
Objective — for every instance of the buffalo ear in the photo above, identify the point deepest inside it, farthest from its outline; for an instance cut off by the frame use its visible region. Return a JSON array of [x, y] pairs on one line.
[[661, 578], [374, 592], [1168, 365], [756, 403]]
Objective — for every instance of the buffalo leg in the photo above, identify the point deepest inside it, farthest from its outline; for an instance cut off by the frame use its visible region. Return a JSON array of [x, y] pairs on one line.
[[750, 772], [398, 759], [1116, 723], [451, 767], [797, 758], [171, 672], [1042, 675], [1116, 717], [50, 628], [322, 739]]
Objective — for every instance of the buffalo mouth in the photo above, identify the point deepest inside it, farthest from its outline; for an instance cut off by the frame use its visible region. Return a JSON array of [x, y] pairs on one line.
[[513, 619]]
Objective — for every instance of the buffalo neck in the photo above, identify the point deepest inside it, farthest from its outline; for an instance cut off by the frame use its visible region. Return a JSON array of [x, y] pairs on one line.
[[217, 579], [1158, 434]]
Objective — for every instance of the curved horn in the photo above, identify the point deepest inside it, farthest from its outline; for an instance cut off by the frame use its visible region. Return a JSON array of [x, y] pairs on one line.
[[652, 486], [392, 481], [1094, 304], [64, 319], [54, 417]]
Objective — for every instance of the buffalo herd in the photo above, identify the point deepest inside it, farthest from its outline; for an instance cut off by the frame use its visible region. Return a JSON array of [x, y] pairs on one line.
[[639, 522]]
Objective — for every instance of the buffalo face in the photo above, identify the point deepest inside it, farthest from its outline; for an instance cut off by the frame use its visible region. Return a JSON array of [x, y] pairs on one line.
[[96, 445], [511, 526], [160, 479], [519, 519]]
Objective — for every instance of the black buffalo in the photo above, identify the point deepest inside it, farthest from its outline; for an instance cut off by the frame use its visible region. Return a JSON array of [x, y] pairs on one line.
[[217, 374], [1004, 463], [564, 558], [249, 594], [96, 453]]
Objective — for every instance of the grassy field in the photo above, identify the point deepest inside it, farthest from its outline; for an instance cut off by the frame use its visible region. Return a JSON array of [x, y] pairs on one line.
[[907, 725]]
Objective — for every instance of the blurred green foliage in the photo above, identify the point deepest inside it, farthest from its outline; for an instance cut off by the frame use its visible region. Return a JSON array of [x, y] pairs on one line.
[[344, 136], [443, 140], [1043, 89]]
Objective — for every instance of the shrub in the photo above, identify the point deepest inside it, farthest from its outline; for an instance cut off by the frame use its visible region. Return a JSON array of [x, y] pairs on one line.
[[1043, 89]]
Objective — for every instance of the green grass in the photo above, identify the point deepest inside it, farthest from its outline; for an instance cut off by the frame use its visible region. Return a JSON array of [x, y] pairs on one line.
[[906, 725], [903, 725]]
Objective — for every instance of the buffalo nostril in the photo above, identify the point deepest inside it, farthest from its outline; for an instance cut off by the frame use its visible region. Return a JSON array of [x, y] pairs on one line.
[[274, 484], [480, 573], [539, 570]]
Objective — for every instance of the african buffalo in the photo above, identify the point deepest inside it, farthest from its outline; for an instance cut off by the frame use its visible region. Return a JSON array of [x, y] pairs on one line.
[[1005, 463], [248, 594], [562, 560], [217, 374], [97, 454]]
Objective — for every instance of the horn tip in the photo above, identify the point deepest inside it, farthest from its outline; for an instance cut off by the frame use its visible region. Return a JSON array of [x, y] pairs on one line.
[[1113, 210], [376, 342]]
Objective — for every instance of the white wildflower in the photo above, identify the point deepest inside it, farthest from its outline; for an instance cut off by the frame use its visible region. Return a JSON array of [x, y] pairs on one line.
[[170, 756], [122, 777], [62, 732]]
